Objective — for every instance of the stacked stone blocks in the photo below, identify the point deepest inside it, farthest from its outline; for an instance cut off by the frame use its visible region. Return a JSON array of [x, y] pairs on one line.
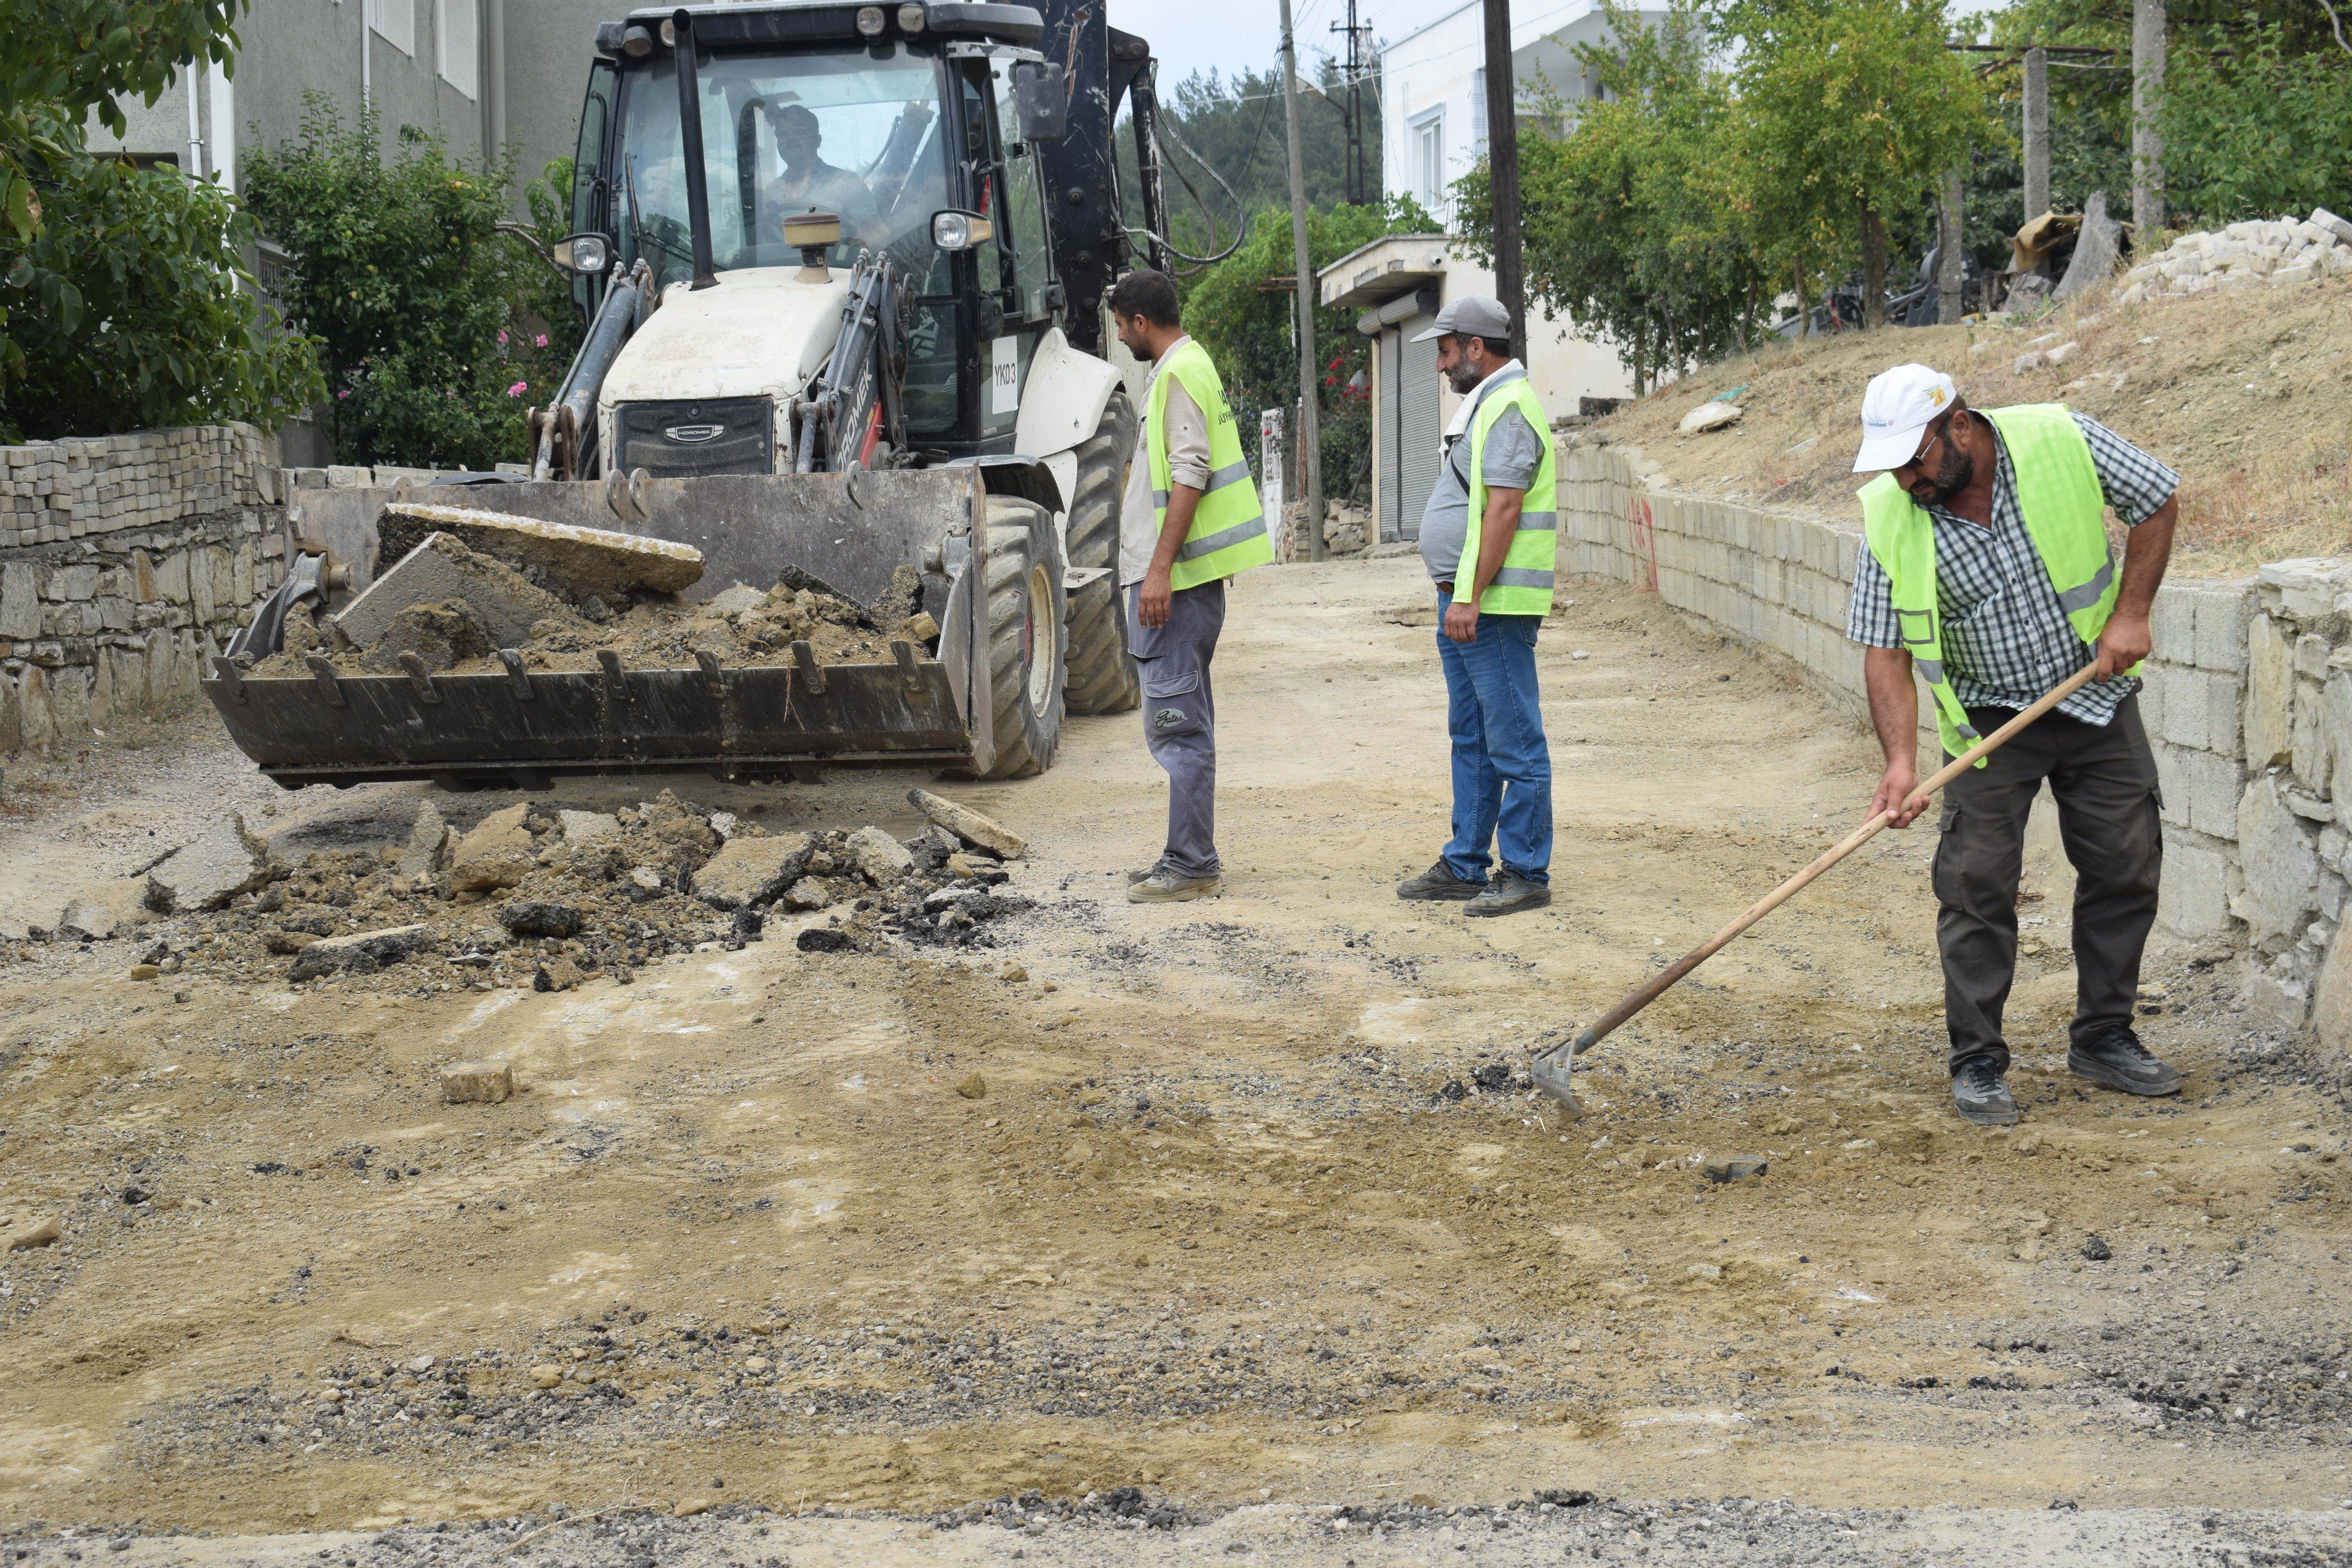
[[125, 562]]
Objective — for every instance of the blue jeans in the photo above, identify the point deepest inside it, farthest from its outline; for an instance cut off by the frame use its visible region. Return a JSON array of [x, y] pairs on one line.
[[1502, 768]]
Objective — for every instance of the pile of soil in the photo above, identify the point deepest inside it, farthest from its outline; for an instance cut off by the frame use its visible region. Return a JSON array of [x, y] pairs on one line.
[[580, 895], [2242, 392]]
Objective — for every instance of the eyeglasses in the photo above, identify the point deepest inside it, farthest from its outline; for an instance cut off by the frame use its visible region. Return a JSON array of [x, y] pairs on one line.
[[1920, 457]]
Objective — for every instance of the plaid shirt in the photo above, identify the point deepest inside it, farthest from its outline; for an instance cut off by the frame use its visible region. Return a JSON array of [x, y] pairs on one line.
[[2006, 642]]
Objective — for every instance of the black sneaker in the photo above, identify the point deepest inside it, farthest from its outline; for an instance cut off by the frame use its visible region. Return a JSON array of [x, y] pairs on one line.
[[1980, 1096], [2118, 1060], [1440, 884], [1507, 894]]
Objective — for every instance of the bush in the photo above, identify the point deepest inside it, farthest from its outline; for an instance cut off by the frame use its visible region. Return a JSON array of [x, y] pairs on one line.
[[125, 298], [426, 314]]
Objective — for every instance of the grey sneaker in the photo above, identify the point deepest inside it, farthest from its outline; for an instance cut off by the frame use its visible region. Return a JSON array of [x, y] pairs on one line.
[[1507, 894], [1165, 887], [1980, 1095], [2118, 1060], [1439, 884], [1147, 873]]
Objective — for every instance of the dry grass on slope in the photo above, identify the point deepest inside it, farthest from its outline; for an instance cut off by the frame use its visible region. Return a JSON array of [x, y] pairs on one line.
[[2248, 395]]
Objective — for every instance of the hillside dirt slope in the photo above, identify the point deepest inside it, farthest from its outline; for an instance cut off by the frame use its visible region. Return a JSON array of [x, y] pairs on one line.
[[1235, 1204], [2247, 394]]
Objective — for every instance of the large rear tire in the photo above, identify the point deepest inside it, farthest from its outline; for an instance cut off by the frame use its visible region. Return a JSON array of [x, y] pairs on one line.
[[1103, 677], [1026, 610]]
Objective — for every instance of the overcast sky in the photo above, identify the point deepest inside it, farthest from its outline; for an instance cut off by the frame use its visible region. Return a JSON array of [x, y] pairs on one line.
[[1226, 35]]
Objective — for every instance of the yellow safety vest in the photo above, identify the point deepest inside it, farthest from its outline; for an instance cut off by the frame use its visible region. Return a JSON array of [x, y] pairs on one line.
[[1523, 585], [1228, 533], [2058, 493]]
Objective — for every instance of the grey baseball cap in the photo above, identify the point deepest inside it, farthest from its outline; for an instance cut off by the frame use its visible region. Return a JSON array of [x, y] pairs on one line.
[[1471, 316]]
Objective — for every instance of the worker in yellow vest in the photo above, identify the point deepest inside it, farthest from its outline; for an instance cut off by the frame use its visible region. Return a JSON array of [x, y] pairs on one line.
[[1989, 574], [1487, 537], [1190, 519]]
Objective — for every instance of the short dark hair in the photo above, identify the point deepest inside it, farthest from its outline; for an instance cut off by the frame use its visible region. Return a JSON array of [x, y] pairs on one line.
[[1499, 347], [1148, 294]]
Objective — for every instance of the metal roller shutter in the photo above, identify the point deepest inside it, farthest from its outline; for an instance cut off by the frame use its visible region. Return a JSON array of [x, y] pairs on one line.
[[1418, 426], [1389, 409]]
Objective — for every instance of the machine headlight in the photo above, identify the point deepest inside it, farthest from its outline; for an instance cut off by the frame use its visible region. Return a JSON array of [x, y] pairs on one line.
[[869, 21], [590, 253], [910, 19], [636, 42], [954, 230]]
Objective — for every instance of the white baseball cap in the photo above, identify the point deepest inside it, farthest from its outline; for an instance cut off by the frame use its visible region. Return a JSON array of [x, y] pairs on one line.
[[1896, 409]]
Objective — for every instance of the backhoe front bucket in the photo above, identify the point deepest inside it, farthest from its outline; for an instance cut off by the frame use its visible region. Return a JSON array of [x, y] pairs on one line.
[[526, 726]]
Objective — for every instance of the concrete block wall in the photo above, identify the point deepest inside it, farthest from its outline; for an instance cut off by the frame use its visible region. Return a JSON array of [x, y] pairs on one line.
[[2219, 710], [1776, 580], [125, 561]]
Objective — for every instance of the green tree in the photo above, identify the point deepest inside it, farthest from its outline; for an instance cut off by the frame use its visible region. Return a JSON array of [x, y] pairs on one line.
[[431, 320], [1240, 310], [1849, 110], [2242, 131], [1624, 225], [124, 296]]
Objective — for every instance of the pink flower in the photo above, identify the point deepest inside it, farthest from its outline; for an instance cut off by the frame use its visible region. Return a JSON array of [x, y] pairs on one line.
[[539, 341], [518, 389], [502, 337], [340, 396]]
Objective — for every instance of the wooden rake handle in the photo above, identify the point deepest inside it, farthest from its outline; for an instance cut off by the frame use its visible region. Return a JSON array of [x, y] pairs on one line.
[[1674, 972]]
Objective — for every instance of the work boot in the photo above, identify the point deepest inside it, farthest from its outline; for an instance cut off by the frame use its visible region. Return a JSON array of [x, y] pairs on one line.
[[1440, 885], [1980, 1096], [2118, 1060], [1167, 886], [1507, 894], [1147, 873]]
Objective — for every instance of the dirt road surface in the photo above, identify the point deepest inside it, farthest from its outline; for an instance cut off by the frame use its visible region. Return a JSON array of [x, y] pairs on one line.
[[1253, 1215]]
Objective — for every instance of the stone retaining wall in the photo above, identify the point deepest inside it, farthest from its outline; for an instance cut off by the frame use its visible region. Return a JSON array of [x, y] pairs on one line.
[[125, 561], [2248, 701]]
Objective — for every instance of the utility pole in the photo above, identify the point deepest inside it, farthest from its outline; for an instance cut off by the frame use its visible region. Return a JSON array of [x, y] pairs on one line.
[[1309, 430], [2148, 91], [1503, 170], [1355, 106], [2037, 133]]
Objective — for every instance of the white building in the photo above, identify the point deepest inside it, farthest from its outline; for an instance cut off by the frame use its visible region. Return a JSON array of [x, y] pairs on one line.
[[1434, 95], [1433, 89]]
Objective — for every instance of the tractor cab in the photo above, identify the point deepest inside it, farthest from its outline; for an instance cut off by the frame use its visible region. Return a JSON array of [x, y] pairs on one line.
[[905, 123]]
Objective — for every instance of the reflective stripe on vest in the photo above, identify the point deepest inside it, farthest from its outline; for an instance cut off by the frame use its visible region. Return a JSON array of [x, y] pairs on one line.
[[1523, 585], [1217, 482], [1228, 533], [2059, 496]]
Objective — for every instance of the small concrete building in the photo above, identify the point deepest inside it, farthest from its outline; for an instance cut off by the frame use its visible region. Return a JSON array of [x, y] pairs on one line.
[[1396, 285], [1433, 98]]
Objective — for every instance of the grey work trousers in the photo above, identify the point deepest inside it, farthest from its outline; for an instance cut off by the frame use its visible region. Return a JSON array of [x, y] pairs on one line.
[[2104, 777], [1180, 716]]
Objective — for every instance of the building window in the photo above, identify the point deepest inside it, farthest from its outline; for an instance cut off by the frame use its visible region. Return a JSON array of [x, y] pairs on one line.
[[1478, 112], [395, 21], [1428, 143], [459, 43]]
